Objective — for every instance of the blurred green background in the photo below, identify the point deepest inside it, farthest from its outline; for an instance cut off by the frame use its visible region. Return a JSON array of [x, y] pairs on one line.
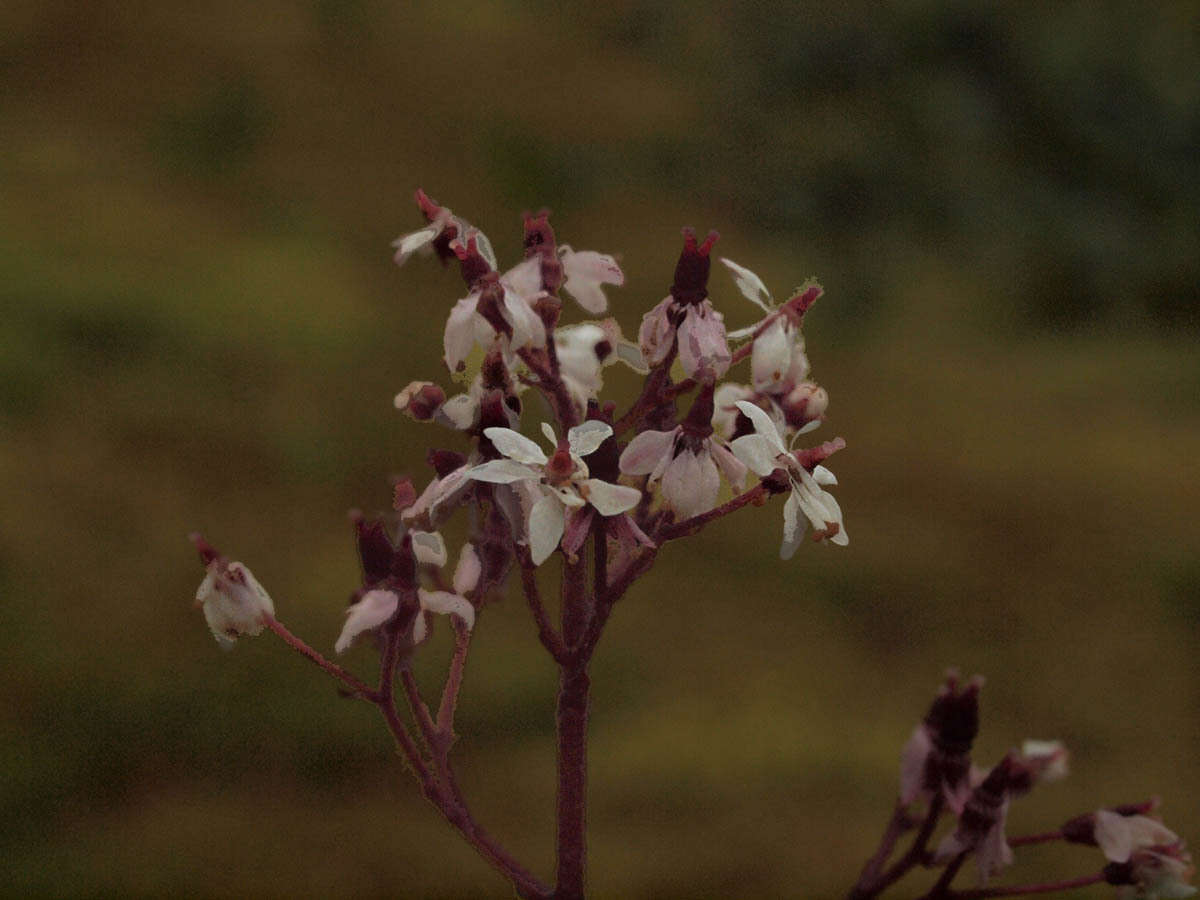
[[203, 330]]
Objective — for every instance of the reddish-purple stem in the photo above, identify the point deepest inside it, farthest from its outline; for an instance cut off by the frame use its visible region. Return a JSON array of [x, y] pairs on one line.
[[755, 495], [1026, 839], [897, 825], [445, 716], [546, 634], [571, 718], [359, 687]]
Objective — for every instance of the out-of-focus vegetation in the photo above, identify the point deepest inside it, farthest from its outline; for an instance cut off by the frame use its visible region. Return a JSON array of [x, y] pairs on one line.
[[202, 329]]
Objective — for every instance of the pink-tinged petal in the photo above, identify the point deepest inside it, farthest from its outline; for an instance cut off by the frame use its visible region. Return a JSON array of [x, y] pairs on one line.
[[579, 523], [408, 244], [447, 604], [1148, 832], [545, 527], [646, 451], [912, 765], [460, 331], [420, 628], [757, 453], [585, 272], [1113, 836], [750, 285], [654, 336], [375, 608], [702, 342], [732, 468], [763, 425], [428, 547], [525, 277], [586, 438], [516, 446], [771, 357], [993, 854], [502, 471], [690, 484], [611, 499], [793, 527], [468, 570], [626, 531]]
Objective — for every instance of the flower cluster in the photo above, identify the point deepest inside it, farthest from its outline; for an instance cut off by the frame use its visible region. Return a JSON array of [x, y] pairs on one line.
[[1145, 859]]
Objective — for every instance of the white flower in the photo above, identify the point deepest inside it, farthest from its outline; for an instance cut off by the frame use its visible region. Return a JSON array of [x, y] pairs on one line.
[[763, 452], [1047, 761], [561, 481], [688, 467], [440, 494], [700, 336], [233, 600], [516, 290], [585, 271], [440, 219], [1159, 866], [376, 607], [584, 350], [777, 360]]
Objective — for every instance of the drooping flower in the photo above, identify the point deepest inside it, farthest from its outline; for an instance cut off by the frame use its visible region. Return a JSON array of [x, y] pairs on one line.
[[497, 309], [763, 452], [234, 602], [981, 825], [561, 482], [937, 758], [688, 460], [443, 228], [686, 319], [585, 350], [1147, 859]]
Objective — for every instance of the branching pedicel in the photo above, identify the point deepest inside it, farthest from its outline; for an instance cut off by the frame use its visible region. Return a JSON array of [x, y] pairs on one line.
[[606, 505]]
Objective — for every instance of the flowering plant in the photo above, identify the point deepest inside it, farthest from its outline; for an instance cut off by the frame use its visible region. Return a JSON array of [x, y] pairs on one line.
[[602, 498]]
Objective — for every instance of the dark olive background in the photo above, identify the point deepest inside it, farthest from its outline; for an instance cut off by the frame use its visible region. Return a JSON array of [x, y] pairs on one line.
[[203, 329]]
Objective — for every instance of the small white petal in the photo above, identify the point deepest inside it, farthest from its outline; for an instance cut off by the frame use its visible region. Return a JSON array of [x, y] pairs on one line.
[[757, 453], [460, 331], [762, 425], [793, 531], [690, 484], [407, 244], [447, 604], [428, 547], [569, 496], [585, 272], [740, 333], [646, 452], [1113, 835], [420, 628], [749, 284], [546, 523], [484, 246], [586, 438], [611, 499], [468, 570], [375, 608], [732, 468], [459, 411], [516, 446], [525, 277], [551, 437], [502, 471], [822, 475], [771, 356], [631, 354]]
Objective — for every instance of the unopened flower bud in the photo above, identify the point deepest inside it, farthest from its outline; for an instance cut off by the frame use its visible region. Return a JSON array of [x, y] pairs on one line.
[[804, 403], [420, 400], [404, 494], [691, 272]]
